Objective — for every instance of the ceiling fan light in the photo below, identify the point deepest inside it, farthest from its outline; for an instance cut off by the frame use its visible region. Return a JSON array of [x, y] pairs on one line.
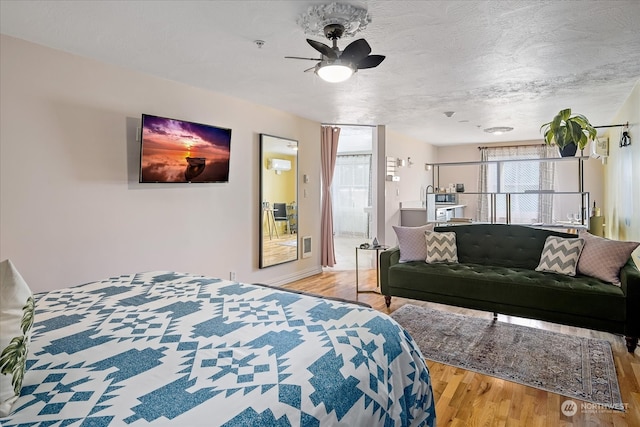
[[334, 73]]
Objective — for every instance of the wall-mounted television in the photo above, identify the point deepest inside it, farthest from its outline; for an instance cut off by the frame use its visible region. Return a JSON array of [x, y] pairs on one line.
[[180, 151]]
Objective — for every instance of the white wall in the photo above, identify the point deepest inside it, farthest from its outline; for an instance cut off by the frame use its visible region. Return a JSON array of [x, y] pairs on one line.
[[72, 209], [622, 175]]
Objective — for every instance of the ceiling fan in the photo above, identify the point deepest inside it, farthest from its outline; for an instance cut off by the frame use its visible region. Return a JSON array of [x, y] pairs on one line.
[[337, 66]]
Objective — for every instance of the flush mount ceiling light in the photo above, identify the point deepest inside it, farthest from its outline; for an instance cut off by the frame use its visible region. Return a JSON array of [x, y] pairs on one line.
[[499, 130], [334, 71]]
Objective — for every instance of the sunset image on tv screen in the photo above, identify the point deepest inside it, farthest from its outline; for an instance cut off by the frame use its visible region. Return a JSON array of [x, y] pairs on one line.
[[180, 151]]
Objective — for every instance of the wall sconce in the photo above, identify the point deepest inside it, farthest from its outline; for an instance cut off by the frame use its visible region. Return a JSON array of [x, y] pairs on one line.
[[409, 161], [427, 167], [400, 163]]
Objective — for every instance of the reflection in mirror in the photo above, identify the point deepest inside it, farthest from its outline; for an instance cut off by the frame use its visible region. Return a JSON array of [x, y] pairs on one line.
[[278, 200]]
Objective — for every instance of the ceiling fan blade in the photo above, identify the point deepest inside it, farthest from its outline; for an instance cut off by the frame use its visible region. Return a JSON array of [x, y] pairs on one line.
[[323, 49], [356, 51], [310, 69], [370, 61], [300, 57]]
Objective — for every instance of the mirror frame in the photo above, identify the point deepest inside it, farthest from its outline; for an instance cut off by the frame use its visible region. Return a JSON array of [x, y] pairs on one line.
[[268, 145]]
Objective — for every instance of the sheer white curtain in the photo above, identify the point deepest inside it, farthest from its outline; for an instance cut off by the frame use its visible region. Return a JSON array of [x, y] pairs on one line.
[[351, 195], [519, 178]]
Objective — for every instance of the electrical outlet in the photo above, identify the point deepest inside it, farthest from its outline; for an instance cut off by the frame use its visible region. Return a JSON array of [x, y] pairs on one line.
[[232, 275]]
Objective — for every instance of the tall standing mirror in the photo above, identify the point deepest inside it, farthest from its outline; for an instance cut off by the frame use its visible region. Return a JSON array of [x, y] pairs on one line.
[[278, 200]]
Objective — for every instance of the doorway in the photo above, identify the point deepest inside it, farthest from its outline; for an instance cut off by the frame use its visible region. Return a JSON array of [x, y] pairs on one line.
[[352, 193]]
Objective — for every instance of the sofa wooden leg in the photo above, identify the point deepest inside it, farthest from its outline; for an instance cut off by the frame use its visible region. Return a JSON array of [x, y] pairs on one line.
[[387, 300], [495, 316], [632, 343]]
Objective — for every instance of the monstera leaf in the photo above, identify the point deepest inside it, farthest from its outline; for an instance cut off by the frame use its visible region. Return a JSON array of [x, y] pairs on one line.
[[13, 359], [27, 315]]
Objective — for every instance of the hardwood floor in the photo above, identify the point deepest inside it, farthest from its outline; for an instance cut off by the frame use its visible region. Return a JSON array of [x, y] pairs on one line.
[[465, 398], [279, 248]]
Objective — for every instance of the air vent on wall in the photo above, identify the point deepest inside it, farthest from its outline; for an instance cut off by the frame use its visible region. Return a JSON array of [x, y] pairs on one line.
[[306, 246]]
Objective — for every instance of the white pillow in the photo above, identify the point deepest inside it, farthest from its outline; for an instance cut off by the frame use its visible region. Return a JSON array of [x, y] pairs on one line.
[[441, 247], [411, 242], [16, 318], [560, 255]]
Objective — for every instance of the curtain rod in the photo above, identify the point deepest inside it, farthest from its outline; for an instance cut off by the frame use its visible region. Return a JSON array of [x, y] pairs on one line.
[[612, 126], [535, 145], [347, 124], [513, 146]]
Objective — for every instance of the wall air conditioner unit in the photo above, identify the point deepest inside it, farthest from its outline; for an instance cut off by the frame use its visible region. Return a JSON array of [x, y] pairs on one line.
[[279, 165]]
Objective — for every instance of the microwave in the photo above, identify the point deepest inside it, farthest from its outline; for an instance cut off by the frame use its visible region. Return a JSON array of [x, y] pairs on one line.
[[446, 198]]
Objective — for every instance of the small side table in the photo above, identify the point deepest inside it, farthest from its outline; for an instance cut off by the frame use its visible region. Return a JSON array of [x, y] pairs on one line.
[[377, 249]]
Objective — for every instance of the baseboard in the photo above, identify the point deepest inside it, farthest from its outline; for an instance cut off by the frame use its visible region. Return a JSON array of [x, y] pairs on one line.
[[302, 274]]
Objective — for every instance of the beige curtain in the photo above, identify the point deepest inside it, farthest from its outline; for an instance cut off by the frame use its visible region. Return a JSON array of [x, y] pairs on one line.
[[483, 199], [328, 154]]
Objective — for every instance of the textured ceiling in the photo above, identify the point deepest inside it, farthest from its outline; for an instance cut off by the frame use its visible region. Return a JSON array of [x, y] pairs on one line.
[[495, 63]]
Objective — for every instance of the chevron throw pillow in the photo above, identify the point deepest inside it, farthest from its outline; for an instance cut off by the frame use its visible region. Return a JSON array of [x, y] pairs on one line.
[[441, 247], [560, 255]]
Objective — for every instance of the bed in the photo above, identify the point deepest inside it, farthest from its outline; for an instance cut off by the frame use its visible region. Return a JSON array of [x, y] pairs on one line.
[[167, 348]]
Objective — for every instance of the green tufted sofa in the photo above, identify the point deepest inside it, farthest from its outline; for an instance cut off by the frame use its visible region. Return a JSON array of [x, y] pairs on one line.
[[496, 272]]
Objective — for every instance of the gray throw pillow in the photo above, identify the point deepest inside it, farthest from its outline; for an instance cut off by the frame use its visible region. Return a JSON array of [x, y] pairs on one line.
[[560, 255], [603, 258], [411, 242]]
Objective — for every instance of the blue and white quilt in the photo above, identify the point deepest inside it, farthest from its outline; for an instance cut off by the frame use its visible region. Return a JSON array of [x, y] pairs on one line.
[[166, 348]]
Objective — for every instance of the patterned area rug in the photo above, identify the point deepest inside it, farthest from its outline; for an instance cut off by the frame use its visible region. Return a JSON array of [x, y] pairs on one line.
[[580, 368]]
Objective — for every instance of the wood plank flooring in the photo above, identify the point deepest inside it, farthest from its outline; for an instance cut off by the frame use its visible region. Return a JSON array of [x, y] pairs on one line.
[[279, 248], [465, 398]]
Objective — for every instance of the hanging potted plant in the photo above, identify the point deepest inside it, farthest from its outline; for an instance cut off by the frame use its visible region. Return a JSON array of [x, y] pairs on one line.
[[568, 132]]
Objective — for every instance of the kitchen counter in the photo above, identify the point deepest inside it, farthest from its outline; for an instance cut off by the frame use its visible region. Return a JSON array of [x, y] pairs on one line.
[[418, 206], [413, 205], [446, 206], [414, 214]]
